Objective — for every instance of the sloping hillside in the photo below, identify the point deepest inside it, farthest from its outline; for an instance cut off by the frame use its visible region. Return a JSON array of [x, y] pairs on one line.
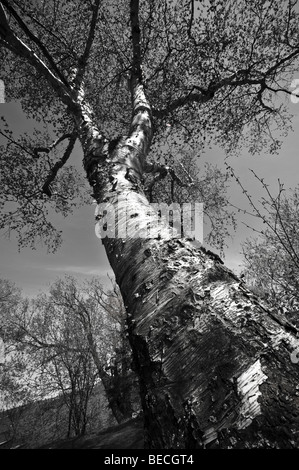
[[36, 424], [128, 435]]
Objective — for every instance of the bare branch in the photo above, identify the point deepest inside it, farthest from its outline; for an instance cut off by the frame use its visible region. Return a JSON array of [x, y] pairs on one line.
[[288, 247], [275, 204]]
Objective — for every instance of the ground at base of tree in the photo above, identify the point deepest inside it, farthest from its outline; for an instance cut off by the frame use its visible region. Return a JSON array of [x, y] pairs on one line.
[[128, 435]]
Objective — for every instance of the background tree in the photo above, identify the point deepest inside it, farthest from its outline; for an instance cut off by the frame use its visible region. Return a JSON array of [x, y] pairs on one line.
[[75, 336], [55, 360], [101, 315], [63, 359], [58, 346], [131, 68], [271, 261], [13, 389]]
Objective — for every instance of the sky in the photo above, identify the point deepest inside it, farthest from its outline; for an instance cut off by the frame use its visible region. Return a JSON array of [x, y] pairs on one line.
[[82, 254]]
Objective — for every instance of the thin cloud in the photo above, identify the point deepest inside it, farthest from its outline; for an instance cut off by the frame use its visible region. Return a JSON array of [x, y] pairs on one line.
[[85, 270]]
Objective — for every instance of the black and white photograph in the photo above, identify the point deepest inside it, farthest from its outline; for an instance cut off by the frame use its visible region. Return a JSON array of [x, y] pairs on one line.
[[149, 228]]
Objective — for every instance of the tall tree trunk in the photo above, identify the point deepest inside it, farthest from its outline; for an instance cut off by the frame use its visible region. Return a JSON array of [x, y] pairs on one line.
[[213, 363]]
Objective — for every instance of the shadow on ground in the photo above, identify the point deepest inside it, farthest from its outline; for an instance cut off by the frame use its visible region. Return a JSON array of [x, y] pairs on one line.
[[128, 435]]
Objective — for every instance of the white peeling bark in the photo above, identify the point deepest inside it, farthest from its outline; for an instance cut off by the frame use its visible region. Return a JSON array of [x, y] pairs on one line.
[[249, 389], [213, 362], [200, 340]]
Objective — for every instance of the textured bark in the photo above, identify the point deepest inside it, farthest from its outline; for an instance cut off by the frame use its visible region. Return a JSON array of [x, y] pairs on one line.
[[215, 366], [213, 363]]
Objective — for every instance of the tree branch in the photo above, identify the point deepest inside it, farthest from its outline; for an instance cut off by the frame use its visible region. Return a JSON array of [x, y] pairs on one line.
[[282, 62], [135, 31], [90, 39], [18, 47], [289, 249], [59, 38], [260, 98], [84, 58], [141, 129], [4, 27], [52, 175], [37, 150], [37, 41], [239, 78], [277, 90], [14, 142], [191, 18]]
